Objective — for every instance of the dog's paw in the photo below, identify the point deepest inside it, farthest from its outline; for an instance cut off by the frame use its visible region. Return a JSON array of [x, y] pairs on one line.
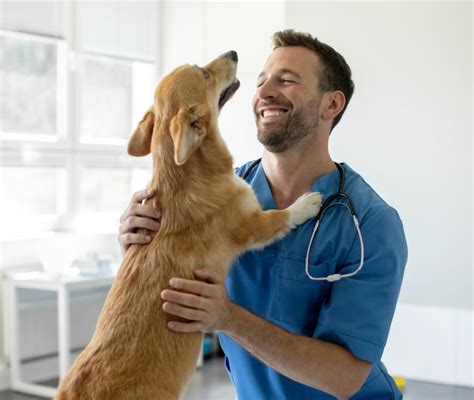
[[305, 207]]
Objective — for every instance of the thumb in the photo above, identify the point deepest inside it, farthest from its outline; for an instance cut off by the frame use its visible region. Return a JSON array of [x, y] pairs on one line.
[[205, 274]]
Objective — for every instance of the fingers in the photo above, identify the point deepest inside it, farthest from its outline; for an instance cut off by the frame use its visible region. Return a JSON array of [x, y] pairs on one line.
[[205, 274], [138, 215], [191, 314], [132, 223], [185, 299], [136, 207], [204, 305], [186, 327], [141, 195], [194, 287], [143, 210], [127, 239], [187, 306]]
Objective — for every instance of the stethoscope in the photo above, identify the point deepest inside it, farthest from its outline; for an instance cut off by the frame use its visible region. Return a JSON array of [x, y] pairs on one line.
[[328, 203]]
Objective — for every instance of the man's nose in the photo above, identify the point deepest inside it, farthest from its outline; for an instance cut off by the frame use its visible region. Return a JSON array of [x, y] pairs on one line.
[[267, 90]]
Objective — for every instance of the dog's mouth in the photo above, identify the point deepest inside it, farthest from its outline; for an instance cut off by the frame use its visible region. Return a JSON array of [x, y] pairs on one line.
[[228, 92]]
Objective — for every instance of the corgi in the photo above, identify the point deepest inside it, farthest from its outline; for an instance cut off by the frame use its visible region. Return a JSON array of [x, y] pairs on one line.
[[209, 216]]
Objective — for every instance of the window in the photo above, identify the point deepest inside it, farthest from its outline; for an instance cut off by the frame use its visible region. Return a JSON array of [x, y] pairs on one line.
[[32, 87], [105, 189], [66, 116], [103, 194], [107, 89], [31, 196], [106, 84]]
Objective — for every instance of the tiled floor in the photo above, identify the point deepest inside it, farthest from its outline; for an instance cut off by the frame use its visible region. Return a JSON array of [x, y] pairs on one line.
[[212, 383]]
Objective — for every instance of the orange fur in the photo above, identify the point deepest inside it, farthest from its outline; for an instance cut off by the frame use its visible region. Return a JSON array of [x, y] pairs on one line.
[[209, 216]]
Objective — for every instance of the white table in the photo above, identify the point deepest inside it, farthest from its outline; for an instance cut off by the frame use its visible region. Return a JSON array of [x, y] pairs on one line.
[[63, 286]]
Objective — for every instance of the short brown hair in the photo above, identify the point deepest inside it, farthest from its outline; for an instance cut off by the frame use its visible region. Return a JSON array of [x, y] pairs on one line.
[[336, 73]]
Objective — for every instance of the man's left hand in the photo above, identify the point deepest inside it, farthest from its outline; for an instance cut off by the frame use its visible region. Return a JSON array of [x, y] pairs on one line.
[[204, 303]]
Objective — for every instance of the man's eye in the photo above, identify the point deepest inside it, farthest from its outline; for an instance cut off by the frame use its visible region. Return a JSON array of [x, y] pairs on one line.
[[260, 83], [286, 81]]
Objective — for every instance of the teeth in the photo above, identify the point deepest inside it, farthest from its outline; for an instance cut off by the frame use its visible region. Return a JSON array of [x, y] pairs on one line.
[[272, 113]]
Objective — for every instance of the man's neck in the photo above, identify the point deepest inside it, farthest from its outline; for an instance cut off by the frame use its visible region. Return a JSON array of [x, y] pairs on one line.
[[292, 173]]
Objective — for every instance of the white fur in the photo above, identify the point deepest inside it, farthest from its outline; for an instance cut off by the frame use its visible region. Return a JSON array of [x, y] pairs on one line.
[[249, 203], [305, 207]]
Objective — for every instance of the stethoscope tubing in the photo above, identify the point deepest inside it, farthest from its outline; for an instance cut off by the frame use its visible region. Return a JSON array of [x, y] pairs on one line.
[[329, 202], [334, 277]]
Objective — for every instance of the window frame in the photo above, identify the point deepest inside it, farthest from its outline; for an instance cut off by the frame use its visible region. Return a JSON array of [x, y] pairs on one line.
[[65, 149]]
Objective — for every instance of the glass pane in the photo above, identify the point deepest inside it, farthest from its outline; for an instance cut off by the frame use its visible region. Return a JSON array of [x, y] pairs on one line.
[[31, 192], [104, 190], [28, 86], [105, 88], [141, 177], [112, 94]]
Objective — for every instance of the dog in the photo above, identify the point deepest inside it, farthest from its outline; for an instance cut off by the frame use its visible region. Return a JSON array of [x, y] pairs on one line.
[[209, 216]]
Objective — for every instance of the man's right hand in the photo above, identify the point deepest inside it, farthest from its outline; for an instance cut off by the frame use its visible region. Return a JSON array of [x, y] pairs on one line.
[[138, 215]]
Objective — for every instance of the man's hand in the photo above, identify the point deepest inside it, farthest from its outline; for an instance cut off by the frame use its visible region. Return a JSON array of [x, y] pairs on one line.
[[138, 215], [204, 304], [313, 362]]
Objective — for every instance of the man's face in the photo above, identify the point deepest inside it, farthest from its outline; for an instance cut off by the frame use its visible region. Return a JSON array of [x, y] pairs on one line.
[[287, 102]]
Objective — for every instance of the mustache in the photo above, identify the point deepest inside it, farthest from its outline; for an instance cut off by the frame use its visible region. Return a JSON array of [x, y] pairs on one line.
[[264, 103]]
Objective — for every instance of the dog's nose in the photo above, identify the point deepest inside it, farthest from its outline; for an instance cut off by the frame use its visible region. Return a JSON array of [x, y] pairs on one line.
[[232, 55]]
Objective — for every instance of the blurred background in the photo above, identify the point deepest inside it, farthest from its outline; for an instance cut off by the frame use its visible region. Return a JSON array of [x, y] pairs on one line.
[[77, 76]]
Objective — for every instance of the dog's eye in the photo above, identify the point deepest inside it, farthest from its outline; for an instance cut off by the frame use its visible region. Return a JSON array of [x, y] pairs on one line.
[[196, 125], [206, 74]]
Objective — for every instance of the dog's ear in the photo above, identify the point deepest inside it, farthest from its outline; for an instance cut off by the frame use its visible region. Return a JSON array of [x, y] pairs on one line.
[[188, 129], [140, 142]]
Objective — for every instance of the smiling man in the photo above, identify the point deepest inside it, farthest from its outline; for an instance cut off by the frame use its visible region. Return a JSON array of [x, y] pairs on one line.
[[288, 120], [286, 334]]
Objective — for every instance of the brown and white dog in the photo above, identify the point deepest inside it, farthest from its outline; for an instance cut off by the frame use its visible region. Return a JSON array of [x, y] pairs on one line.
[[209, 216]]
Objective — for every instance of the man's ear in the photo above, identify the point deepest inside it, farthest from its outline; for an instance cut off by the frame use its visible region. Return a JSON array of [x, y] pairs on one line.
[[334, 104], [140, 142], [188, 129]]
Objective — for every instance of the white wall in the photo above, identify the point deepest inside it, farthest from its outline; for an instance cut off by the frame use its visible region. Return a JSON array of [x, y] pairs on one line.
[[409, 129]]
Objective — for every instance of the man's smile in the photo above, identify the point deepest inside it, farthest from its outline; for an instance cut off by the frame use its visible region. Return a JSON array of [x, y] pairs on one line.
[[269, 114]]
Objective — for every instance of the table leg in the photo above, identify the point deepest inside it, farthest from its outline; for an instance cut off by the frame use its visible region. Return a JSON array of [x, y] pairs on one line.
[[14, 333], [64, 334]]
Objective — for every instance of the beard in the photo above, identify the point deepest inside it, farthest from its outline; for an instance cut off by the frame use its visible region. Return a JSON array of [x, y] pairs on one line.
[[278, 138]]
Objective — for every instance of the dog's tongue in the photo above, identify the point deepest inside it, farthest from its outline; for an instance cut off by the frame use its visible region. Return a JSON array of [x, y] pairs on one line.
[[228, 93]]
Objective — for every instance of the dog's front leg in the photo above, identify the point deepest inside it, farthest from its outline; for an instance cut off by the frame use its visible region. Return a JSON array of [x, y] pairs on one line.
[[263, 227]]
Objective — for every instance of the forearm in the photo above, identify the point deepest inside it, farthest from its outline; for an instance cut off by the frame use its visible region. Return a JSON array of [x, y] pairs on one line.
[[322, 365]]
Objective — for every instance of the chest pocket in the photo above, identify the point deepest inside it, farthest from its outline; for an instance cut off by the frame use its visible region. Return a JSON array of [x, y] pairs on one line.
[[297, 299]]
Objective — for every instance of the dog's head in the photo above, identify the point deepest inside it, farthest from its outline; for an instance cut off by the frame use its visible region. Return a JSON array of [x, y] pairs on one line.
[[188, 101]]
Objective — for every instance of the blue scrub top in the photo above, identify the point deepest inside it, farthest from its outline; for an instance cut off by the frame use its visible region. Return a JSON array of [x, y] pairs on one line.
[[354, 312]]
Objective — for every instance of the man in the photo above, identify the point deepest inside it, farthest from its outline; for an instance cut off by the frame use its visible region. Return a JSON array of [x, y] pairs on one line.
[[285, 335]]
